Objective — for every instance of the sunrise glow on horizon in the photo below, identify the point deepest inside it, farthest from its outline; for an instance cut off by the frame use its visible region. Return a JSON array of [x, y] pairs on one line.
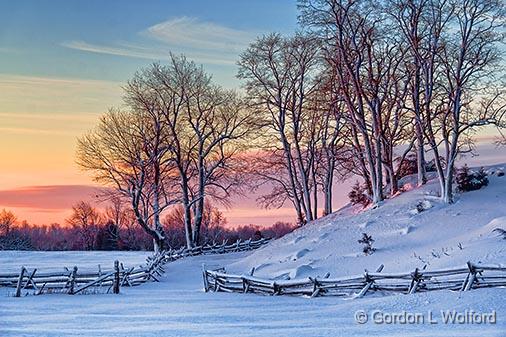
[[63, 64]]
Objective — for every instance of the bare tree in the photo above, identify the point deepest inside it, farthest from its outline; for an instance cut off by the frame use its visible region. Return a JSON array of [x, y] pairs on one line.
[[13, 235], [206, 128], [220, 133], [396, 122], [119, 212], [468, 60], [447, 53], [279, 75], [86, 220], [329, 137], [362, 61], [7, 221], [128, 152], [414, 20]]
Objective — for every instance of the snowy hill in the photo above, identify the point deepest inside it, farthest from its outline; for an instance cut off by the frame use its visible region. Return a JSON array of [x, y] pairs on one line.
[[438, 236]]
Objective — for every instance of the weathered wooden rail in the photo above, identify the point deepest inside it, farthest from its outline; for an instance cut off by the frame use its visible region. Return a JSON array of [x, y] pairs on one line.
[[472, 276], [73, 281]]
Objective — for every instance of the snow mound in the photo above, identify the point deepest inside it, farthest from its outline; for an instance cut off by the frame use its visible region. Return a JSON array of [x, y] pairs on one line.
[[299, 238], [406, 230], [497, 223], [302, 270], [445, 236], [366, 224], [300, 254], [323, 236]]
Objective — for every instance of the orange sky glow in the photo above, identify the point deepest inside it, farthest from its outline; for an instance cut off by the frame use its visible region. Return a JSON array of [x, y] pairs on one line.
[[40, 120], [59, 73]]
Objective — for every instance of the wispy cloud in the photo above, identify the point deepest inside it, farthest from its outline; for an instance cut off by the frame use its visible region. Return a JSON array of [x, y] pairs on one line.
[[15, 80], [131, 51], [40, 95], [191, 33], [205, 42], [51, 197]]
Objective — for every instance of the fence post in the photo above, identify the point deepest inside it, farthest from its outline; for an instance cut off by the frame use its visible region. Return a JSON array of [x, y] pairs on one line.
[[115, 288], [72, 282], [415, 280], [369, 282], [204, 276], [276, 289], [222, 248], [245, 285], [216, 284], [30, 280], [20, 281], [470, 277], [316, 287]]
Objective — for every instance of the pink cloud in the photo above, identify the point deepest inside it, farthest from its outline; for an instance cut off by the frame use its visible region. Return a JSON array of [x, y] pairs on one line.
[[47, 198]]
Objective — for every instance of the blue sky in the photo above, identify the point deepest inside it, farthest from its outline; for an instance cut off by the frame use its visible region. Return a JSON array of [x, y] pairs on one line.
[[62, 65], [109, 40]]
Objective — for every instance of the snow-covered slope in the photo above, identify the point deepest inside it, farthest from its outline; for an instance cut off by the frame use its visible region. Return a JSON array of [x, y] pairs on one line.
[[439, 236]]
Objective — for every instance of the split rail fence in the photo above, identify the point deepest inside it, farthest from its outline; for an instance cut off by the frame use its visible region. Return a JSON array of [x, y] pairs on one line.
[[472, 276], [72, 281]]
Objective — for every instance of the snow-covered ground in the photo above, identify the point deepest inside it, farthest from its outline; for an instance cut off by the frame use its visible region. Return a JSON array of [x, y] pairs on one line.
[[439, 236], [11, 261], [178, 307]]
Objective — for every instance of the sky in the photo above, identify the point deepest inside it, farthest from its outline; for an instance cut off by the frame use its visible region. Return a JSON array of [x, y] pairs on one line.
[[62, 64]]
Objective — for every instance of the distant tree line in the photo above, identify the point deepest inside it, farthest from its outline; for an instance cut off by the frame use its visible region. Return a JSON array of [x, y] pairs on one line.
[[116, 229], [362, 80]]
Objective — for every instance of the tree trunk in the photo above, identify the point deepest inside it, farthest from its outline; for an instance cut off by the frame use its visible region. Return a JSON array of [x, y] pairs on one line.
[[187, 212], [371, 161], [379, 170], [315, 195], [327, 208], [391, 177], [199, 207], [156, 246], [288, 161], [376, 191], [360, 154], [447, 189], [197, 222], [420, 158], [158, 242], [158, 238], [450, 165], [305, 185], [420, 155]]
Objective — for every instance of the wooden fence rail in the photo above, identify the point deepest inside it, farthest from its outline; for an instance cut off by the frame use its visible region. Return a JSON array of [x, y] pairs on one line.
[[473, 276], [79, 282]]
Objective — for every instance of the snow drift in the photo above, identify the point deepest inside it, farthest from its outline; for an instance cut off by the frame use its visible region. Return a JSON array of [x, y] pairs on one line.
[[413, 229]]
